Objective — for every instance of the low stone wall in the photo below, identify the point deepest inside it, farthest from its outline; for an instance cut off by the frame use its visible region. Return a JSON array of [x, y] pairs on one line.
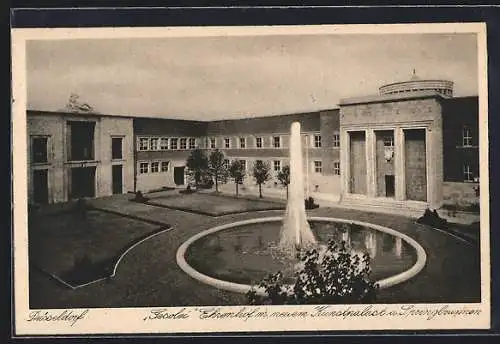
[[461, 194]]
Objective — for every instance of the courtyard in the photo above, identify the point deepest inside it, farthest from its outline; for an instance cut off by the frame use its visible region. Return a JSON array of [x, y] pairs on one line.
[[147, 274], [213, 205]]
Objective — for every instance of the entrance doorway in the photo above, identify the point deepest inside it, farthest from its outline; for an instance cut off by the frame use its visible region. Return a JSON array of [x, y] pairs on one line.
[[117, 172], [389, 185], [41, 186], [82, 182], [357, 162], [179, 175]]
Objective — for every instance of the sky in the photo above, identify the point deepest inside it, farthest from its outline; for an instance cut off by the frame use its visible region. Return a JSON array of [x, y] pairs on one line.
[[211, 78]]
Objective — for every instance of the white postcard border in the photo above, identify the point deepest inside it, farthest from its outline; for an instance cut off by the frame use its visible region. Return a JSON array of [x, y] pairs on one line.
[[138, 320]]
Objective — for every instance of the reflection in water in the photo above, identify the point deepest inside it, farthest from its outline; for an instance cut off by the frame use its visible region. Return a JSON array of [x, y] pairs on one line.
[[398, 246], [346, 236], [371, 244], [246, 254]]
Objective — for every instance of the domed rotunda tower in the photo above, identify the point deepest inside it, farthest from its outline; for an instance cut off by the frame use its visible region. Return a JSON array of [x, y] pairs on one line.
[[415, 84]]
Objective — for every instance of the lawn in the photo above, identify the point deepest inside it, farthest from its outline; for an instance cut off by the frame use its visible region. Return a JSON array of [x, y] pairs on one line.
[[214, 205], [79, 249]]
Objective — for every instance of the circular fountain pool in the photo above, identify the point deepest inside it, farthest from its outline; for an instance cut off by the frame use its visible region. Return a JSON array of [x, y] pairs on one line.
[[238, 255]]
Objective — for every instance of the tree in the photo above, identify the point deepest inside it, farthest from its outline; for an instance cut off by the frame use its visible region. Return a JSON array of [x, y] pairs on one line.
[[261, 173], [217, 168], [237, 173], [333, 276], [284, 177], [197, 164]]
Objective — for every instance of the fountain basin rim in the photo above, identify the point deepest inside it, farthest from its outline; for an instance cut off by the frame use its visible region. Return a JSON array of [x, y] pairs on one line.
[[244, 288]]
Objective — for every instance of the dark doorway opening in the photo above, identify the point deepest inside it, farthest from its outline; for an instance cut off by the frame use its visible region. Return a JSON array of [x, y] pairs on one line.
[[82, 182], [82, 140], [389, 186], [179, 175], [41, 186], [117, 179]]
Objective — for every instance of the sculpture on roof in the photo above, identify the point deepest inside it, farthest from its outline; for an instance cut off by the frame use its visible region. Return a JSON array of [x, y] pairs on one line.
[[74, 105]]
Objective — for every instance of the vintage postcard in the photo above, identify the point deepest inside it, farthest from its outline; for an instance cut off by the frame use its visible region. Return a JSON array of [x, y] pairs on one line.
[[229, 179]]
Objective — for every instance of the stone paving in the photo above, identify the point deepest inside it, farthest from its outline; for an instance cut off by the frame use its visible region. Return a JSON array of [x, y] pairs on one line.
[[149, 276]]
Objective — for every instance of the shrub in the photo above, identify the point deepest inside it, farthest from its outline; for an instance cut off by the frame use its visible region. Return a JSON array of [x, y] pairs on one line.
[[188, 190], [333, 276], [309, 202], [432, 218]]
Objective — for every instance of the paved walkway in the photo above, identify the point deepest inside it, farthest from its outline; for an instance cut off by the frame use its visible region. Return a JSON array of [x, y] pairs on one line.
[[149, 275]]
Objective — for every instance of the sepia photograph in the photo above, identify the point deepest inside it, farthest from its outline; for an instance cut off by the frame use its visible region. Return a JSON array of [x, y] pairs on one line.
[[242, 179]]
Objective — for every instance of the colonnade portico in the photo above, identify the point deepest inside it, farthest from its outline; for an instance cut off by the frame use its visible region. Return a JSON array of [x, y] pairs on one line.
[[431, 192]]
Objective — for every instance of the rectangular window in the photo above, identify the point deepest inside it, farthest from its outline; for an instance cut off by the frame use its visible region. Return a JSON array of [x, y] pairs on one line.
[[277, 141], [467, 137], [227, 142], [243, 142], [143, 167], [277, 165], [317, 141], [39, 150], [154, 143], [468, 175], [164, 166], [388, 141], [336, 168], [82, 140], [183, 143], [226, 163], [164, 143], [143, 143], [318, 166], [243, 163], [173, 143], [116, 148], [258, 142], [336, 140], [212, 143], [155, 167], [192, 143]]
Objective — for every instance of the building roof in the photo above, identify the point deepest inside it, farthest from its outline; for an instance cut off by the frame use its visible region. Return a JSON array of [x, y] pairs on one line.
[[309, 121], [390, 97]]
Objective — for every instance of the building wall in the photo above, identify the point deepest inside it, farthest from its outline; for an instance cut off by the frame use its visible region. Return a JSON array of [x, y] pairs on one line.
[[402, 112], [52, 127], [460, 193], [391, 113], [115, 127], [357, 166], [330, 124], [55, 126], [154, 181], [415, 165], [457, 114]]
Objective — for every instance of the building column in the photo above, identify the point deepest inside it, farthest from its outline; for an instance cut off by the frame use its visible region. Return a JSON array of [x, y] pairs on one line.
[[434, 168], [371, 178], [345, 153], [399, 164]]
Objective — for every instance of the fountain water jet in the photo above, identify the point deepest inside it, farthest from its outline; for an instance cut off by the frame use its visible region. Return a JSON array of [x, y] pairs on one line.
[[296, 234]]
